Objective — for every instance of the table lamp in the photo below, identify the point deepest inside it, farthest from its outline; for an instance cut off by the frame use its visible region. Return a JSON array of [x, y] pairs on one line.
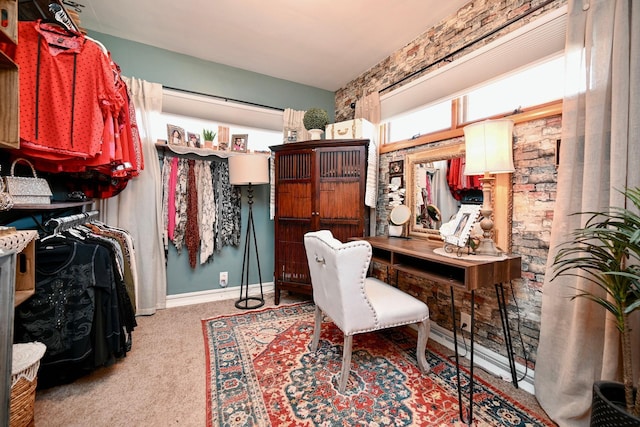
[[249, 170], [488, 150]]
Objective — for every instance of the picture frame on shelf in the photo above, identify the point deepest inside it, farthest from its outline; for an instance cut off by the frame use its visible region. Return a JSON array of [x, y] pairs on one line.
[[193, 140], [239, 143], [175, 135], [290, 135]]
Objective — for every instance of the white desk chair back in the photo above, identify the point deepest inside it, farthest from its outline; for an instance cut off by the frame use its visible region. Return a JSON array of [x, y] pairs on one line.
[[354, 302]]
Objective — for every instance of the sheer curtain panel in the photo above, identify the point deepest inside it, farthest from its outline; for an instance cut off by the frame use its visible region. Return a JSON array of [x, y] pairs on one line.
[[138, 208], [598, 156]]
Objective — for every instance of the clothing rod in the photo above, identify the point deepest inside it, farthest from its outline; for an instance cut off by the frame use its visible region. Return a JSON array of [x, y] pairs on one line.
[[448, 56], [66, 222], [224, 98]]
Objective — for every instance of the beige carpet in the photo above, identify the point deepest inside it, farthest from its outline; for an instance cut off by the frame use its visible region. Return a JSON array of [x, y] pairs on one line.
[[161, 382]]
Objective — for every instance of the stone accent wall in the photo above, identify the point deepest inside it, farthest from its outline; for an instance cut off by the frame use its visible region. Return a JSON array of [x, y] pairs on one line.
[[534, 182], [438, 44]]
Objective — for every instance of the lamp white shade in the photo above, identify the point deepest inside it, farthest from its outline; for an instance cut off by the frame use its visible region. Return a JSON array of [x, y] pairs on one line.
[[248, 169], [489, 147]]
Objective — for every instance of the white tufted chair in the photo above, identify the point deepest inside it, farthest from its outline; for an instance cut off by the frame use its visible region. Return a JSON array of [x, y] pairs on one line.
[[354, 302]]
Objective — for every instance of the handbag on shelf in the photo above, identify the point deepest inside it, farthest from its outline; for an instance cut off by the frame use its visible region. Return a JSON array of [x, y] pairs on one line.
[[6, 201], [27, 190]]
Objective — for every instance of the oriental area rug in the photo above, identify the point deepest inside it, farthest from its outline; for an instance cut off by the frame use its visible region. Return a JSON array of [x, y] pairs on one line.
[[261, 372]]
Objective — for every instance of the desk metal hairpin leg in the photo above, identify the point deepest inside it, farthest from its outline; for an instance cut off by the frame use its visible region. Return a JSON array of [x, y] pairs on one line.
[[468, 420], [502, 306]]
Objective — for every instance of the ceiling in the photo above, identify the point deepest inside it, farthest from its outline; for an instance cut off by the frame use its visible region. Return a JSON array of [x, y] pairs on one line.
[[320, 43]]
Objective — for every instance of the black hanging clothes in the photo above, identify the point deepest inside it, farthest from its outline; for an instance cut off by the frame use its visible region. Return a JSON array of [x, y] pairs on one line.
[[80, 309]]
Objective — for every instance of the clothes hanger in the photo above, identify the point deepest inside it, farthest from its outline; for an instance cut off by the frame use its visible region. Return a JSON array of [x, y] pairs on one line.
[[56, 231]]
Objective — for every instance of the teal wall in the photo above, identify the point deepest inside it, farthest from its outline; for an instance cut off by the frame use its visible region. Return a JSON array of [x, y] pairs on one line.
[[193, 74], [186, 72]]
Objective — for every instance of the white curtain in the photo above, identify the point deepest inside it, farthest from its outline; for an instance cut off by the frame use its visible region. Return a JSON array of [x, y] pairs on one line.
[[368, 108], [599, 153], [138, 208]]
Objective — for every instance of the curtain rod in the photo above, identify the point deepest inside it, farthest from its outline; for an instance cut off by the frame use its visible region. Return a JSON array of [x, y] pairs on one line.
[[471, 43], [224, 98]]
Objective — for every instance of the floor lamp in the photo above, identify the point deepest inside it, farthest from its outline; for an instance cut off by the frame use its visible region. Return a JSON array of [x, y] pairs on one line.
[[249, 169], [488, 150]]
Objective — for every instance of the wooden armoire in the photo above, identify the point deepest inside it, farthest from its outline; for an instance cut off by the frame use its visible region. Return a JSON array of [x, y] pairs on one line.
[[319, 185]]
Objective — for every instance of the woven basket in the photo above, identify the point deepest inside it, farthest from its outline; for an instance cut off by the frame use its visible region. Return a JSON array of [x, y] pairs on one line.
[[24, 379]]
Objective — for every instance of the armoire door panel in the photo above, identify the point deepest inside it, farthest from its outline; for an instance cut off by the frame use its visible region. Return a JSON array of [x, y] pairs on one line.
[[340, 163], [340, 200], [294, 166], [294, 200], [290, 252]]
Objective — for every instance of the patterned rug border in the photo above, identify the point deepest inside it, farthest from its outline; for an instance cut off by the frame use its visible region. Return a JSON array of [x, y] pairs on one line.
[[285, 306]]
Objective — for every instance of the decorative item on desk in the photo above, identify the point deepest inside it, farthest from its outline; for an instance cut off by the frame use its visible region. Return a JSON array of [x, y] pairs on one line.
[[398, 217], [315, 120], [27, 190], [488, 150], [249, 170], [456, 232]]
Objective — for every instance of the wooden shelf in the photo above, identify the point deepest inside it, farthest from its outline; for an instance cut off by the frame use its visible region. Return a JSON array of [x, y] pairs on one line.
[[9, 89], [203, 152], [52, 206]]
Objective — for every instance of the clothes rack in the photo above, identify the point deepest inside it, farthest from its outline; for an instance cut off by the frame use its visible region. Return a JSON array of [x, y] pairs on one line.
[[55, 225]]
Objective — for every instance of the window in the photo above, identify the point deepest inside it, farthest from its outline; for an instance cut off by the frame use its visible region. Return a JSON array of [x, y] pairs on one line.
[[258, 140], [194, 113], [534, 85], [430, 119], [482, 83]]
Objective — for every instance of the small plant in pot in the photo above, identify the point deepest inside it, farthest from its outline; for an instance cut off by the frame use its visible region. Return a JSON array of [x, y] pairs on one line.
[[314, 120], [606, 252], [209, 136]]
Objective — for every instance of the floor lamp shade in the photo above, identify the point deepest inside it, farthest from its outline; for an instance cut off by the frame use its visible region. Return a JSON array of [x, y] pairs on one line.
[[247, 169], [489, 147]]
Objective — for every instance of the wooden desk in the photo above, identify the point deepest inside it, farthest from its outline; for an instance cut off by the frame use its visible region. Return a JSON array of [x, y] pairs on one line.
[[417, 257]]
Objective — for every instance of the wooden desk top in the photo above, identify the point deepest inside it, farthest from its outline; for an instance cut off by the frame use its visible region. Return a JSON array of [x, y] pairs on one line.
[[417, 257]]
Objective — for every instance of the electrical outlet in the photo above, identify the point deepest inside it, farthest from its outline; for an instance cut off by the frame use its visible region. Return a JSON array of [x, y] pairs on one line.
[[465, 322], [224, 279]]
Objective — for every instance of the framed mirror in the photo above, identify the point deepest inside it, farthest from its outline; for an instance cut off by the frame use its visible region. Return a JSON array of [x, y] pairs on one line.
[[430, 200]]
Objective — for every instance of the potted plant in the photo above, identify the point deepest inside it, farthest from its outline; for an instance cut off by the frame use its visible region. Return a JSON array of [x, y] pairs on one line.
[[208, 135], [606, 252], [315, 120]]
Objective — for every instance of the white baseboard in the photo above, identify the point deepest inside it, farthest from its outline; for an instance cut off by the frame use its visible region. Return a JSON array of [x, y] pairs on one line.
[[200, 297], [485, 358]]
